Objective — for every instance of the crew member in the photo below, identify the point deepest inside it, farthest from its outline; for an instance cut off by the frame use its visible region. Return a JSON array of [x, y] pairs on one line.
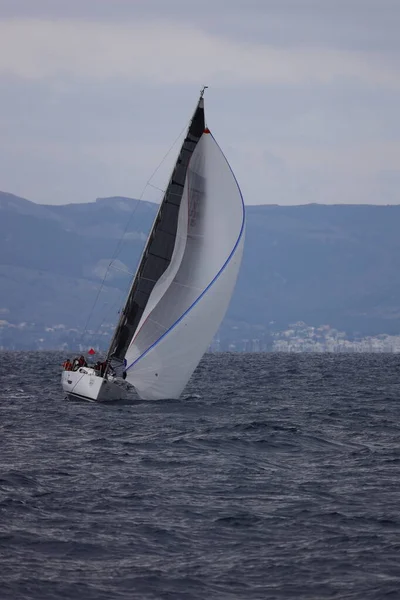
[[82, 362], [67, 365]]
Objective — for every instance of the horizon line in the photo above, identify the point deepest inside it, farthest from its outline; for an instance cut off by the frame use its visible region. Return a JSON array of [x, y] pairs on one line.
[[38, 203]]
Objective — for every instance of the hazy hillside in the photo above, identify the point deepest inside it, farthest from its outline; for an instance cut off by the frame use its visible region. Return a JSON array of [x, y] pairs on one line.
[[336, 265], [323, 264]]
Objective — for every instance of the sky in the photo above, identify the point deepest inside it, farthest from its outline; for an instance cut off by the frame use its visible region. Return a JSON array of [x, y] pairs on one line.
[[303, 96]]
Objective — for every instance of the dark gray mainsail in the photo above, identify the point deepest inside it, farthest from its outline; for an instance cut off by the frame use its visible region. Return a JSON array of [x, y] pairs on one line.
[[160, 244]]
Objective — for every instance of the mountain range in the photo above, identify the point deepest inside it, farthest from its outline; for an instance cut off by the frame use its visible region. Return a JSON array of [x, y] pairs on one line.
[[321, 264]]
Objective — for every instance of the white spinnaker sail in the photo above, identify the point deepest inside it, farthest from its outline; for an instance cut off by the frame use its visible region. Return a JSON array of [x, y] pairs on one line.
[[189, 301]]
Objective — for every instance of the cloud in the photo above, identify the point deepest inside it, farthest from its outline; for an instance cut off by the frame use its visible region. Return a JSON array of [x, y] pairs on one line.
[[356, 24], [66, 141], [303, 95], [171, 53]]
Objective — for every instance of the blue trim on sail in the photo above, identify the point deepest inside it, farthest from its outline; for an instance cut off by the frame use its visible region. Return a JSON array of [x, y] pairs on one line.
[[222, 269]]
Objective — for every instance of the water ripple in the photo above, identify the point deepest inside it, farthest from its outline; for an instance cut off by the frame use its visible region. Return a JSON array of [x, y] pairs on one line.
[[274, 477]]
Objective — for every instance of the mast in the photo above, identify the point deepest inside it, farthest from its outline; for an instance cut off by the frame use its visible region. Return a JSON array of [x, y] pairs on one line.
[[160, 243]]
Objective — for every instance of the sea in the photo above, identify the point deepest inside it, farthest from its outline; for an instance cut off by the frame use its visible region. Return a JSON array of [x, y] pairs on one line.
[[275, 476]]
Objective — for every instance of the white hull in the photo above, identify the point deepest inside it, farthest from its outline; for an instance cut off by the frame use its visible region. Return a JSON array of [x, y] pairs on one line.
[[85, 384]]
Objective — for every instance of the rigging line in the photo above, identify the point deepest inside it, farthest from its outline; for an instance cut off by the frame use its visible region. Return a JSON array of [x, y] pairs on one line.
[[119, 244], [108, 310], [116, 251], [166, 154], [148, 183], [112, 266], [156, 188], [77, 382], [94, 303]]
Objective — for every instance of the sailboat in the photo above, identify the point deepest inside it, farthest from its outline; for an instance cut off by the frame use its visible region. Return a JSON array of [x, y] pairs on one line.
[[184, 280]]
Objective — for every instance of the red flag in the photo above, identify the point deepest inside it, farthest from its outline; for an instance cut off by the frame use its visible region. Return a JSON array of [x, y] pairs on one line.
[[91, 352]]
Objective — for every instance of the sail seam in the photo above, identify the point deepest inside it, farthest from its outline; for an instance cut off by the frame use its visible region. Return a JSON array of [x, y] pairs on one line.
[[222, 269]]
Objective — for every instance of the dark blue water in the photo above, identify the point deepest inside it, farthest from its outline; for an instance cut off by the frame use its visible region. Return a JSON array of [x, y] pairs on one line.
[[278, 477]]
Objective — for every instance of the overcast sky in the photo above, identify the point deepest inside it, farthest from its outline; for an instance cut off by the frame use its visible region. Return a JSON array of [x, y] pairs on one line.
[[303, 98]]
